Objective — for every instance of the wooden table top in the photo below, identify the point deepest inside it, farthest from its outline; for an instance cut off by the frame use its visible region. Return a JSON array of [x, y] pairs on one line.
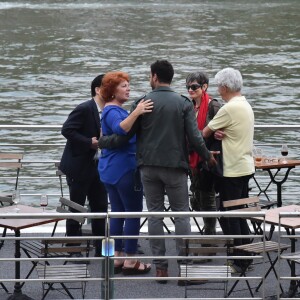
[[18, 224], [277, 165], [272, 216]]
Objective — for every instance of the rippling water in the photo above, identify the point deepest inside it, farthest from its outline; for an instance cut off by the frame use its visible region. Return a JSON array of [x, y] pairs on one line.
[[51, 50]]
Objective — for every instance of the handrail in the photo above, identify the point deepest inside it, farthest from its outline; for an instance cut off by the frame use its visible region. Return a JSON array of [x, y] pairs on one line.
[[48, 126], [109, 277]]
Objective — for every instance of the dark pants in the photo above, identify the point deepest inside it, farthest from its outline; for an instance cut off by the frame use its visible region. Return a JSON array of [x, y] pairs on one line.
[[231, 188], [95, 192]]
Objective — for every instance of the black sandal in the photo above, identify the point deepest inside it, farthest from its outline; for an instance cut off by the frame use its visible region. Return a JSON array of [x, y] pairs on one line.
[[135, 270], [118, 269]]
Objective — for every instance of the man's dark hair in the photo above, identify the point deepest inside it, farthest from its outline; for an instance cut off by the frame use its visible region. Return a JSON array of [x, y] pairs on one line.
[[96, 83], [200, 77], [163, 70]]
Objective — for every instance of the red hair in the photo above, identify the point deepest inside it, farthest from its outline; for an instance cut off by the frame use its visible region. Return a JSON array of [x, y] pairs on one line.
[[109, 83]]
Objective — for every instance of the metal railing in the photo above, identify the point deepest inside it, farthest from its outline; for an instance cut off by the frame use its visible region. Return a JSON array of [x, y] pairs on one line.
[[118, 285]]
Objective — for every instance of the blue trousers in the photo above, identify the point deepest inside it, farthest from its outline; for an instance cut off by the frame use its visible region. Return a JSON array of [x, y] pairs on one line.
[[124, 197]]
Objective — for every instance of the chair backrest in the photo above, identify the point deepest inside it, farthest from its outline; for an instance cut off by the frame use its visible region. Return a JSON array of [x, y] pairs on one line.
[[65, 247], [11, 162], [66, 204], [244, 204], [59, 173], [203, 246]]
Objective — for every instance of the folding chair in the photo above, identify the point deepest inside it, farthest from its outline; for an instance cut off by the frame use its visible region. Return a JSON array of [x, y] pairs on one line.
[[60, 273], [60, 174], [66, 204], [12, 163], [35, 248], [254, 249], [209, 276]]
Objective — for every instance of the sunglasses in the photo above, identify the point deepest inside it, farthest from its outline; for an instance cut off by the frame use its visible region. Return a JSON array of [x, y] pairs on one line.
[[194, 87]]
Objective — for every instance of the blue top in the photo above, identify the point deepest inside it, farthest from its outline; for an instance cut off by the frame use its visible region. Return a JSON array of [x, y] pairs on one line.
[[114, 163]]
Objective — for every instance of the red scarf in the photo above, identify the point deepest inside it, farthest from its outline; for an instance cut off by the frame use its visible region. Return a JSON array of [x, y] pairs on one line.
[[201, 120]]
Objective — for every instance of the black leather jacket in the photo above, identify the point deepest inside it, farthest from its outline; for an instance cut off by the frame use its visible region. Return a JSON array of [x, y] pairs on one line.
[[162, 135]]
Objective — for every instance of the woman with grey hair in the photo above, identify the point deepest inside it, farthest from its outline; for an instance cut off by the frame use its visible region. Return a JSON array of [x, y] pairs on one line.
[[236, 119]]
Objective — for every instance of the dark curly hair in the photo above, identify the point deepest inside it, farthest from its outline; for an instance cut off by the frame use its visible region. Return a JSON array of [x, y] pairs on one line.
[[109, 83]]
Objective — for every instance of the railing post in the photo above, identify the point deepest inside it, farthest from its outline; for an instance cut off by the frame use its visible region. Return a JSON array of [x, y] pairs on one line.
[[108, 250]]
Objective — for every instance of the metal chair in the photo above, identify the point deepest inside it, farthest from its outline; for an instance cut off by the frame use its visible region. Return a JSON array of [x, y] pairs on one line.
[[204, 275], [60, 273], [35, 248], [10, 162], [254, 249]]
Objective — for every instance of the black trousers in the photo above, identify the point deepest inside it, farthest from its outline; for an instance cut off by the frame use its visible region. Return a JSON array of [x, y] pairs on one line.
[[92, 189], [231, 188]]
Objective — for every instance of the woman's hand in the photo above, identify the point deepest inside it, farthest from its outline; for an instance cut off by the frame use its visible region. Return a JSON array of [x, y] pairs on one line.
[[144, 106]]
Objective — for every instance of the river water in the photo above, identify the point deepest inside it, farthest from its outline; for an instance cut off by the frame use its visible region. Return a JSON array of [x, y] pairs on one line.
[[51, 50]]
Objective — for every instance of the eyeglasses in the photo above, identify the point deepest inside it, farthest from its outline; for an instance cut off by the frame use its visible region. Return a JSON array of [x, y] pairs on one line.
[[194, 87]]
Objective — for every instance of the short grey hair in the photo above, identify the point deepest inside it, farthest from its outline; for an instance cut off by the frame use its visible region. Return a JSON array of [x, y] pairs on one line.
[[231, 78]]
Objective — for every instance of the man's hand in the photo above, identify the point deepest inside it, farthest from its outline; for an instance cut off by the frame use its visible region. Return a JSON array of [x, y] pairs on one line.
[[212, 161], [219, 135], [94, 144]]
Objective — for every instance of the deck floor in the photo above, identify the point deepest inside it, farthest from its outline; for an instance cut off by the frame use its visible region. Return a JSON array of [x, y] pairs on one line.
[[128, 288]]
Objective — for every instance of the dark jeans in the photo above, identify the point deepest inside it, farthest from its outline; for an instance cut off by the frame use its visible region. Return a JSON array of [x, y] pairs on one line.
[[204, 197], [95, 192], [231, 188]]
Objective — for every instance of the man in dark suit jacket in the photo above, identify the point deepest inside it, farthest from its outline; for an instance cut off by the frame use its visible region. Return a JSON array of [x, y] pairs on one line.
[[79, 161]]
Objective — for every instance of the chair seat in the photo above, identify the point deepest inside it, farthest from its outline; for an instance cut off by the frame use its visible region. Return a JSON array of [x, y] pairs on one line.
[[260, 247], [204, 272], [62, 272], [267, 204], [215, 248]]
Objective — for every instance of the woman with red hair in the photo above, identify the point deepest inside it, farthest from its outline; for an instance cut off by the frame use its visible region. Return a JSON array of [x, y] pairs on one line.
[[117, 169]]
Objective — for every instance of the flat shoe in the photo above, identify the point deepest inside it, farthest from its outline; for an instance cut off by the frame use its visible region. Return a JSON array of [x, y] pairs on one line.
[[135, 270]]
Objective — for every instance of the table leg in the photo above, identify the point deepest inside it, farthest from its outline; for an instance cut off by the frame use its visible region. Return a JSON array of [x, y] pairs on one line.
[[17, 294], [279, 183], [263, 191]]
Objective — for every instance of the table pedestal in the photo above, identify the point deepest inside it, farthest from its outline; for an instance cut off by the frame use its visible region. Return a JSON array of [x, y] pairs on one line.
[[17, 294]]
